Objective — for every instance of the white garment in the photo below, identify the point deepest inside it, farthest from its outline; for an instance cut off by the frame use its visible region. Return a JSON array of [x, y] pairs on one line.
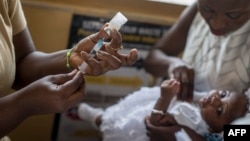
[[220, 62], [189, 115], [182, 136], [124, 121]]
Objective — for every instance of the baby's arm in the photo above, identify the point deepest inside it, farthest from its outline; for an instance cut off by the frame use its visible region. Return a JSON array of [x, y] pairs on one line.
[[169, 88]]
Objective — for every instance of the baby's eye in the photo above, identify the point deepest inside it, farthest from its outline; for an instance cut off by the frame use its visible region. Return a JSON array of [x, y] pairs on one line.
[[233, 15], [223, 93], [219, 110], [207, 9]]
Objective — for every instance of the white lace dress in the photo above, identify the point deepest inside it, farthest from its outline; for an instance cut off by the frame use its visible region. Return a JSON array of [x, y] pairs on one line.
[[124, 121]]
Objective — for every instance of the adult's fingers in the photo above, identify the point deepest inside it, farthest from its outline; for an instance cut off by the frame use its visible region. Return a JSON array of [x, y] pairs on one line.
[[94, 67], [185, 76], [147, 122], [128, 59], [184, 81], [151, 128], [72, 85], [187, 87], [132, 57], [155, 133], [109, 62], [161, 133], [62, 78], [101, 34], [191, 85], [116, 39], [168, 120], [77, 96]]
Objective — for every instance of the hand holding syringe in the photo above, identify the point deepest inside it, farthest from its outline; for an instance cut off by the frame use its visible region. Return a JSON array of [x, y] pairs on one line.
[[115, 23]]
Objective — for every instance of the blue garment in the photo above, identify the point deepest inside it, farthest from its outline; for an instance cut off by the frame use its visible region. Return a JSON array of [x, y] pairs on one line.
[[213, 137]]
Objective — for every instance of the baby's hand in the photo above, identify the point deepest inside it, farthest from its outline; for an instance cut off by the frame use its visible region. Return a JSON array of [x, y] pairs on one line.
[[169, 88]]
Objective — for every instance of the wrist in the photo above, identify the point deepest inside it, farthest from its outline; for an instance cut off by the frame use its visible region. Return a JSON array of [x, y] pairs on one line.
[[163, 98], [69, 58], [21, 106], [158, 112]]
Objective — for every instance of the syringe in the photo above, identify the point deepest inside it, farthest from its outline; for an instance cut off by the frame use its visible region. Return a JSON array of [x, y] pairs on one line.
[[115, 23]]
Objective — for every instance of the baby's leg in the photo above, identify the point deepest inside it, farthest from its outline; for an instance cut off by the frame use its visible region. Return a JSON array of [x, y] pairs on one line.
[[90, 114], [98, 121]]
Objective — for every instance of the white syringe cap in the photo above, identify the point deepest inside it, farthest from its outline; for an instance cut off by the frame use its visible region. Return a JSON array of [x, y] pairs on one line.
[[117, 22]]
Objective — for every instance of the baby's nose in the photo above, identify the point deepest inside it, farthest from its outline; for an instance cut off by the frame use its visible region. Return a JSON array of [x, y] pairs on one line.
[[215, 100]]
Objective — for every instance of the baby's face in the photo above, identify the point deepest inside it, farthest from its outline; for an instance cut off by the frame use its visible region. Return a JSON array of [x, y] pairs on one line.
[[222, 107]]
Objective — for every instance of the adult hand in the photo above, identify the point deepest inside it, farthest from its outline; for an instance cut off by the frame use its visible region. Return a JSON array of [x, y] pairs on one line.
[[53, 94], [184, 73], [160, 133], [115, 45], [107, 58]]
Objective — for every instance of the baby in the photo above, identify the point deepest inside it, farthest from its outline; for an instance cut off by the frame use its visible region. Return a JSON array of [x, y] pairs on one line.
[[209, 114], [124, 121]]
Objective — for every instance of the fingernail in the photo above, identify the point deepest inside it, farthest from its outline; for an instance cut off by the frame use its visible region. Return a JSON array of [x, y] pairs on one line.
[[73, 71], [100, 52]]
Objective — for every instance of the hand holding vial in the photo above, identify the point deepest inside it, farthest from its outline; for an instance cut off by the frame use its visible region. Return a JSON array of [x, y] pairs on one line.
[[98, 56]]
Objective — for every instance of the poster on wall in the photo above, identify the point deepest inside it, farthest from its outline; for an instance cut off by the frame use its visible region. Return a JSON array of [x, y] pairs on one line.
[[106, 89]]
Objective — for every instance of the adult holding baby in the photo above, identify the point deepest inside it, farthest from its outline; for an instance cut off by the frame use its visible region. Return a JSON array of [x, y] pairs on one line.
[[213, 36]]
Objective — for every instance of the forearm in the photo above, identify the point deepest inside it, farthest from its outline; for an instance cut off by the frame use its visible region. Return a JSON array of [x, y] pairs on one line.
[[155, 117], [161, 105], [12, 113], [172, 43], [157, 63], [39, 64]]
